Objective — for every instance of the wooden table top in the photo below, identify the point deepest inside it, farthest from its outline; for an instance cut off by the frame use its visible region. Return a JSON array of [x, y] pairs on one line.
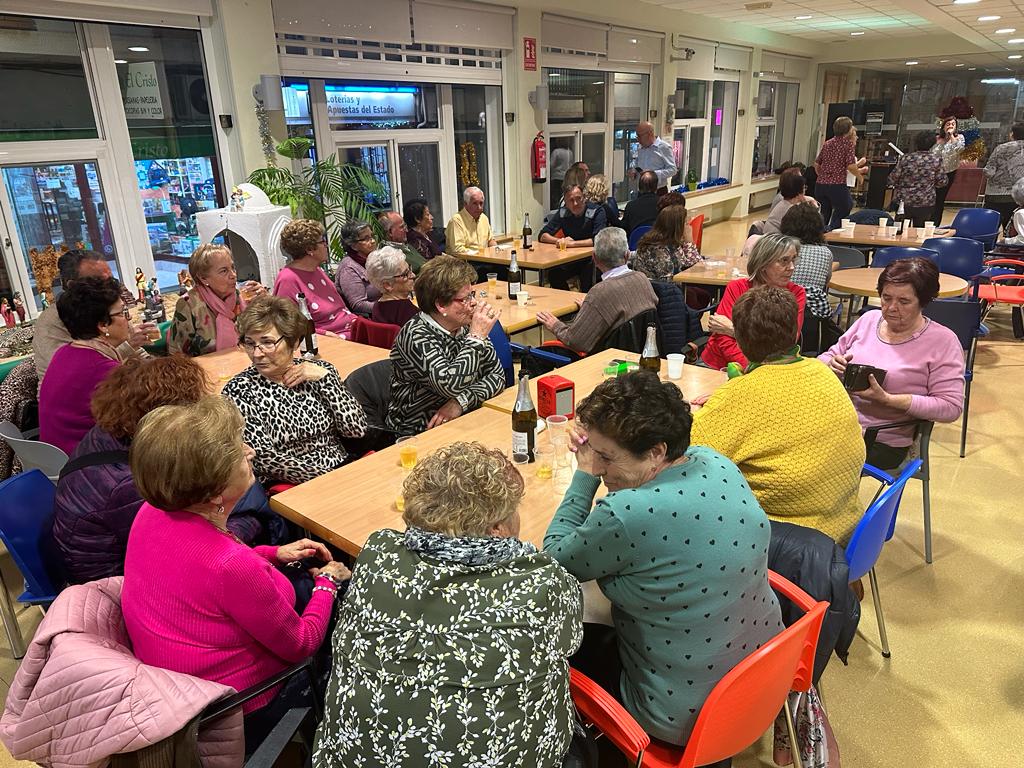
[[712, 272], [542, 299], [864, 282], [867, 234], [346, 356], [541, 256], [345, 506], [589, 372]]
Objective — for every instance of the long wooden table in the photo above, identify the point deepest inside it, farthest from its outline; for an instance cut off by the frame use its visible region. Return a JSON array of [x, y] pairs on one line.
[[542, 257], [542, 299], [712, 272], [589, 372], [864, 282], [867, 235], [346, 356]]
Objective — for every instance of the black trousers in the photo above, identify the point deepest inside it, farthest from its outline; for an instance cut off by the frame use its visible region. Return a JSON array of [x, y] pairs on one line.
[[940, 199], [886, 456], [1003, 204], [835, 201], [918, 215]]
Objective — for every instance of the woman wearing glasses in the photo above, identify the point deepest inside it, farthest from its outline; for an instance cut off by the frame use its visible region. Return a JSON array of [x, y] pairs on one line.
[[390, 274], [94, 314], [443, 363], [296, 412], [352, 282], [305, 243]]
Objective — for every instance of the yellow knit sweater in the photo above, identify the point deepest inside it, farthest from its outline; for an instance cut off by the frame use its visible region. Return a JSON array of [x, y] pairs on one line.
[[793, 432]]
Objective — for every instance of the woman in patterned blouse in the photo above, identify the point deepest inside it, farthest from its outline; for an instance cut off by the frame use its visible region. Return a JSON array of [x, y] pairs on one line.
[[915, 179], [443, 363], [453, 641], [668, 247], [296, 412], [814, 260]]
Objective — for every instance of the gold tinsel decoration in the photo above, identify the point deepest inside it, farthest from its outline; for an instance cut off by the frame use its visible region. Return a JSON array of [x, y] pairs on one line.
[[467, 165], [974, 152]]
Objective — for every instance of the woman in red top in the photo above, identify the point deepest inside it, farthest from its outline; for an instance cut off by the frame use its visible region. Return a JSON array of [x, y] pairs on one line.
[[772, 262], [833, 161]]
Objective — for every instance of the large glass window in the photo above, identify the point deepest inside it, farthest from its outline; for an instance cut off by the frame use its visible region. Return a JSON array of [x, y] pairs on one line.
[[297, 116], [45, 94], [724, 97], [691, 99], [166, 103], [776, 125], [631, 98], [360, 106], [576, 96]]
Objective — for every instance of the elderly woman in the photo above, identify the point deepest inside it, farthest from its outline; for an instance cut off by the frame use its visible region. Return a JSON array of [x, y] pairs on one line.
[[390, 274], [490, 625], [668, 247], [679, 546], [296, 411], [598, 189], [204, 320], [195, 599], [97, 499], [923, 361], [772, 262], [443, 363], [419, 222], [351, 280], [809, 472], [915, 178], [949, 145], [791, 189], [92, 310], [305, 243], [814, 259]]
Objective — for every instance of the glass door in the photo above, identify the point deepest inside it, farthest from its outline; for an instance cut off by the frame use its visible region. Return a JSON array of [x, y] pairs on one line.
[[563, 151], [376, 158], [419, 174]]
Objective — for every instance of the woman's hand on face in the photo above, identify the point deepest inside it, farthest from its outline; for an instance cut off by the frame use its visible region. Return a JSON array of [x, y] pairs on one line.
[[874, 393], [484, 318], [334, 569], [300, 374], [447, 412], [300, 550], [721, 324], [578, 444], [838, 364]]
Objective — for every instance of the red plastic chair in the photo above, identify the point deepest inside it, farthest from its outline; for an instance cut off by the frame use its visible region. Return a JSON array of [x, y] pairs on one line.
[[996, 293], [697, 227], [375, 334], [738, 710]]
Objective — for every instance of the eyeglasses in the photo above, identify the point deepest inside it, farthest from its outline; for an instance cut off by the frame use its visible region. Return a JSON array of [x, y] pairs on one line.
[[125, 313], [266, 347], [469, 297], [366, 239], [788, 262], [408, 273]]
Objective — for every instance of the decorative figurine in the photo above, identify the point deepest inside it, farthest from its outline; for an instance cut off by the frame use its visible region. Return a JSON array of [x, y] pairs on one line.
[[7, 313], [19, 307], [140, 283]]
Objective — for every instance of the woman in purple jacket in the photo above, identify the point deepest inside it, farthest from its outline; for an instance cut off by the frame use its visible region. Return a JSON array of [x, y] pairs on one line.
[[96, 497]]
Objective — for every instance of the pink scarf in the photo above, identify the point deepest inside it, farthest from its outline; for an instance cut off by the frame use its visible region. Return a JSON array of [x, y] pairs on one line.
[[224, 312]]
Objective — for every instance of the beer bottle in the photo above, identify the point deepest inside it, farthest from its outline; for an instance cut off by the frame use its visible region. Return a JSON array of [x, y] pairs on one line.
[[515, 279], [527, 233], [309, 347], [524, 421], [650, 359]]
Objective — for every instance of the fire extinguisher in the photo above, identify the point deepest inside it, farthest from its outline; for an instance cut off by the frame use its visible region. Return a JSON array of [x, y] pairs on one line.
[[539, 158]]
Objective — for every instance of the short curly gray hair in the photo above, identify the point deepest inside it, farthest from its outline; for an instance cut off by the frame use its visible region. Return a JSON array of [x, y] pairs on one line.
[[384, 264]]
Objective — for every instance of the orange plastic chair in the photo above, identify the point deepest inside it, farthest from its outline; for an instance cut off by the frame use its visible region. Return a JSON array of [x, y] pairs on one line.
[[995, 292], [697, 227], [738, 710]]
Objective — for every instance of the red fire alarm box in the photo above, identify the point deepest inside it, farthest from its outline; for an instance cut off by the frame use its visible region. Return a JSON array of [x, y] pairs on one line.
[[556, 396]]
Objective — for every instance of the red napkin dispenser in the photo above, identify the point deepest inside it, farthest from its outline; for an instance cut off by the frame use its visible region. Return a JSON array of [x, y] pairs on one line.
[[556, 395]]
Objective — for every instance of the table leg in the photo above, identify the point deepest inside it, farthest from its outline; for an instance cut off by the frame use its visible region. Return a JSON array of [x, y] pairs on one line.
[[540, 277]]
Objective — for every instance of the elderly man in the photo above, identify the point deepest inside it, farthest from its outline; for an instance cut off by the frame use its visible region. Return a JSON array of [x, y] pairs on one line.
[[574, 225], [396, 233], [50, 333], [621, 295], [469, 231], [644, 209], [654, 154]]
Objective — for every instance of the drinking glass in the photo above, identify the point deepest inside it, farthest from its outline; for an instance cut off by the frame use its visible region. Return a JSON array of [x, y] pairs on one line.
[[545, 462], [407, 452], [558, 427], [248, 291], [523, 298], [562, 245], [492, 283], [675, 366]]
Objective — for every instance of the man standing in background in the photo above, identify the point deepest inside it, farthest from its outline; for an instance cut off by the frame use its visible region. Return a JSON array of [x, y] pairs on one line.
[[654, 154]]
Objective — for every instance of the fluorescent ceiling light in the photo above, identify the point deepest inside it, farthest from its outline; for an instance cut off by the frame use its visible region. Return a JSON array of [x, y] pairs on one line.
[[959, 65], [971, 69], [965, 2], [1015, 40], [989, 18], [1000, 80], [803, 18], [138, 48], [1005, 31], [120, 61], [856, 34], [1015, 56], [912, 63], [943, 61]]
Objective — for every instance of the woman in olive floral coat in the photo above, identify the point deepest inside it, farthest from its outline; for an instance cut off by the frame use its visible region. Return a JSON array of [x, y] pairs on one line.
[[452, 645]]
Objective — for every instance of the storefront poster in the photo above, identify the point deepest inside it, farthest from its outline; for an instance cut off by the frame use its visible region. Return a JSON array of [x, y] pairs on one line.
[[142, 92]]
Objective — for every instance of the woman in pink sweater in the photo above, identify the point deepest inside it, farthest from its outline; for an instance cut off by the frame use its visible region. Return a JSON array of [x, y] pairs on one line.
[[196, 599], [94, 314], [923, 361]]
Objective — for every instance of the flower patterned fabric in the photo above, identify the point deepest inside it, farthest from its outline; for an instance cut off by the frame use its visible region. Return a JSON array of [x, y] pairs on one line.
[[194, 326], [441, 663]]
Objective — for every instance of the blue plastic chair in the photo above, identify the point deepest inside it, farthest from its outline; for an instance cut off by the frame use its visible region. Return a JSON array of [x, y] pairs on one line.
[[964, 319], [636, 234], [874, 529], [960, 256], [501, 345], [26, 529], [981, 224], [885, 256], [869, 216]]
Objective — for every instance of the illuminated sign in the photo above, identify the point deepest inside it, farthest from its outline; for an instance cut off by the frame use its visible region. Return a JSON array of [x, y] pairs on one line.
[[366, 104]]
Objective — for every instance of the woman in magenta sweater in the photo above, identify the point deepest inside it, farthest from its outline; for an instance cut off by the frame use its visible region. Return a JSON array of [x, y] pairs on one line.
[[923, 361], [772, 262], [94, 314], [197, 600]]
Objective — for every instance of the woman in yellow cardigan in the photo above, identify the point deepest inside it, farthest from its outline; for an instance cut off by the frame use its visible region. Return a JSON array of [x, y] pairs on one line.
[[787, 423]]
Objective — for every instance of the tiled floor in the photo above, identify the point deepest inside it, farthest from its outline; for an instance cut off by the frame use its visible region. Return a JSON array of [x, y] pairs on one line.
[[953, 691]]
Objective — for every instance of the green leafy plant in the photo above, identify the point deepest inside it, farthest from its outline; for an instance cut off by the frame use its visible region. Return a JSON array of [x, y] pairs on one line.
[[325, 190]]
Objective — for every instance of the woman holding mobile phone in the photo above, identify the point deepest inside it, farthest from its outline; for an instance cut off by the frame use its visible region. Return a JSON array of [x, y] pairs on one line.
[[948, 145]]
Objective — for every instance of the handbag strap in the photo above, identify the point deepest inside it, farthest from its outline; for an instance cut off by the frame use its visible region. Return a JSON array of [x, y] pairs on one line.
[[119, 456]]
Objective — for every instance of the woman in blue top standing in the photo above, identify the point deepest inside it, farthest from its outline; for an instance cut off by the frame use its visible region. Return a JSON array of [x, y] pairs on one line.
[[679, 547]]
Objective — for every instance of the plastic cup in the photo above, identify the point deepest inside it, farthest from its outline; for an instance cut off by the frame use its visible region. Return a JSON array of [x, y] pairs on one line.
[[247, 292], [154, 334], [492, 282], [883, 221], [730, 254], [847, 223], [675, 366], [522, 298], [408, 452], [929, 229], [562, 245], [545, 462]]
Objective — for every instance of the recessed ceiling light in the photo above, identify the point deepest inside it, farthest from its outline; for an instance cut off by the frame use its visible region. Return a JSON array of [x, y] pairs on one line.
[[912, 63], [120, 61], [959, 65], [989, 18], [943, 61], [802, 18], [971, 69], [856, 34], [1015, 40], [138, 48], [1005, 31], [965, 2]]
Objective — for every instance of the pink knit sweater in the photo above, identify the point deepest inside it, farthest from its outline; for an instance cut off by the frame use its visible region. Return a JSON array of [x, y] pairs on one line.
[[195, 600]]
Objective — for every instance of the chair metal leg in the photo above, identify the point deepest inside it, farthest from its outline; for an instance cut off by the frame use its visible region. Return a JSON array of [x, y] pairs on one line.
[[794, 744], [963, 419], [878, 614], [926, 492], [10, 620]]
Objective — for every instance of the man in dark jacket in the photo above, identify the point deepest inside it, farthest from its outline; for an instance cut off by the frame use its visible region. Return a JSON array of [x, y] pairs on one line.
[[574, 224], [644, 209]]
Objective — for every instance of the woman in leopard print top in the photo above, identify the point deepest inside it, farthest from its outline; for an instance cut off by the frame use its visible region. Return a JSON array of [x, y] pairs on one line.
[[296, 412]]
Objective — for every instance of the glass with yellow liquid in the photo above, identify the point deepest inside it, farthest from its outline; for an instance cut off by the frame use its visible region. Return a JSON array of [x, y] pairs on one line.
[[492, 284], [545, 462], [408, 452]]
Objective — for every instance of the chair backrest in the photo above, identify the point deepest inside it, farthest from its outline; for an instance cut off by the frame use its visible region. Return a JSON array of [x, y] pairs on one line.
[[884, 256], [371, 386], [375, 334], [976, 222], [636, 234], [630, 336], [26, 528], [697, 229], [958, 256], [869, 216], [501, 345], [874, 527], [848, 258], [961, 317], [33, 453]]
